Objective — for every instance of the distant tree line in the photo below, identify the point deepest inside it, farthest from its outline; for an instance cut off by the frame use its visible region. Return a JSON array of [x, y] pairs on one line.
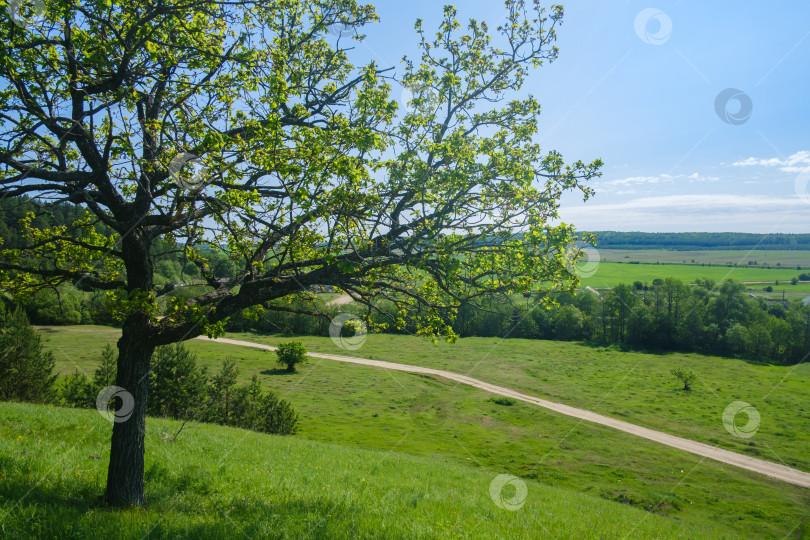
[[667, 315], [701, 241]]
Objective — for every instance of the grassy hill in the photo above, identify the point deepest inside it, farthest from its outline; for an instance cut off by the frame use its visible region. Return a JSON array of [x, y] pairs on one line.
[[219, 482], [380, 410]]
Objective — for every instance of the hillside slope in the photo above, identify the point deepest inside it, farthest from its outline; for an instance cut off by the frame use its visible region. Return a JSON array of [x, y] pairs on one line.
[[218, 482]]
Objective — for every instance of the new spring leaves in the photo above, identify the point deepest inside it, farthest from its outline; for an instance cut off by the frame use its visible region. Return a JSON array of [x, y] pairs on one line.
[[24, 12], [654, 27]]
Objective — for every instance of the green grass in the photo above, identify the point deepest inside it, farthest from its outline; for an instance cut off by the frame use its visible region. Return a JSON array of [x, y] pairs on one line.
[[218, 482], [787, 258], [631, 386], [610, 274], [383, 410]]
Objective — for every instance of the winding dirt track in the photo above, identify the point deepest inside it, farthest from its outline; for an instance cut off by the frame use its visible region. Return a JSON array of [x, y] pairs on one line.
[[774, 470]]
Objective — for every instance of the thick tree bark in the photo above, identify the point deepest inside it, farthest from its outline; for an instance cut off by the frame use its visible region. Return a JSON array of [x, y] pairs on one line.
[[125, 485]]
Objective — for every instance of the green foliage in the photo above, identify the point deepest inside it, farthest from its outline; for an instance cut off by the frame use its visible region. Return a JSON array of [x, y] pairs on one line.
[[26, 371], [258, 411], [686, 376], [77, 391], [105, 373], [506, 401], [219, 406], [247, 406], [177, 387], [291, 354]]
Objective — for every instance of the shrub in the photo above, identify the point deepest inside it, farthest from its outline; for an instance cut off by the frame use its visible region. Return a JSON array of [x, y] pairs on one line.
[[291, 353], [26, 372], [506, 401], [219, 405], [76, 391], [177, 387], [247, 406], [687, 377], [253, 409]]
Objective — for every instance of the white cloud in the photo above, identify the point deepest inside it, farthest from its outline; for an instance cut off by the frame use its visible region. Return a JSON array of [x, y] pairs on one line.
[[695, 212], [796, 163], [636, 180], [619, 186], [697, 177]]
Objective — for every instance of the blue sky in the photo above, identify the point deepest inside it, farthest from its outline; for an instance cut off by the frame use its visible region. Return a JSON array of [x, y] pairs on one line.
[[636, 85]]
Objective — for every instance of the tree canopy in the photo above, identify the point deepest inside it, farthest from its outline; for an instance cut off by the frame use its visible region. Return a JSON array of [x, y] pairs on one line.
[[244, 126]]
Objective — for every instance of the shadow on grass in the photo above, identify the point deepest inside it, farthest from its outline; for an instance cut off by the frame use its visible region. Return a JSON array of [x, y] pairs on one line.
[[278, 371], [671, 352], [24, 508]]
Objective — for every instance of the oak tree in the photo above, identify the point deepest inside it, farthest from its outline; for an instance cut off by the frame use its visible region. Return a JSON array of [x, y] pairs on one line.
[[243, 127]]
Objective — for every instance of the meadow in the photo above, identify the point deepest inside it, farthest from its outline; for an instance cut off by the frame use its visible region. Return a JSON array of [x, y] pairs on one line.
[[219, 482], [771, 257], [404, 413], [610, 274]]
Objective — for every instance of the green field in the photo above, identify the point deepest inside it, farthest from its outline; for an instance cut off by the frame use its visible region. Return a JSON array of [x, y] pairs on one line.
[[382, 410], [610, 274], [219, 482], [787, 258]]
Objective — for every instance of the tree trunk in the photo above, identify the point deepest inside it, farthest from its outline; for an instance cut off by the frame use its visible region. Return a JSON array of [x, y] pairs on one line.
[[125, 485]]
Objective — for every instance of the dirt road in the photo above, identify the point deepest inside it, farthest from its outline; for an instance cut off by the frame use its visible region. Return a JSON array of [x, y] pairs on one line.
[[774, 470]]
